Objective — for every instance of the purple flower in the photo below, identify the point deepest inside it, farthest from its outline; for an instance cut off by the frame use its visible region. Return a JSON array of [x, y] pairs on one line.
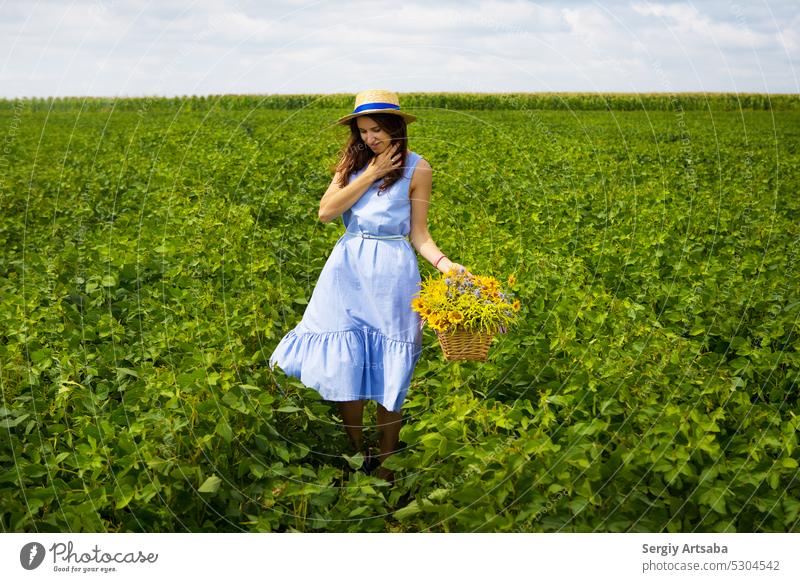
[[477, 292]]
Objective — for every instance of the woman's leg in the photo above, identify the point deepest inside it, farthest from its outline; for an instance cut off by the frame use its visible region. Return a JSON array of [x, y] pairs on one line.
[[353, 419], [389, 424]]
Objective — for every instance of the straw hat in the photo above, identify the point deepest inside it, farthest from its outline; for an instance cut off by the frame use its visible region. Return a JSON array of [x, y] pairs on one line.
[[376, 101]]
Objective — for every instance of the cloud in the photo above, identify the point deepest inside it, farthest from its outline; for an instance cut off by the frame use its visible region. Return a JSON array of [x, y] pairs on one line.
[[137, 47], [686, 22]]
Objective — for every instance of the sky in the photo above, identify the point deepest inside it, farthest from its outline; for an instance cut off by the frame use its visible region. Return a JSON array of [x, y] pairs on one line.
[[119, 48]]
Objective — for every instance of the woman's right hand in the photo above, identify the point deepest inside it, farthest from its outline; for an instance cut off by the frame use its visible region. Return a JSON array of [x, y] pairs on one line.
[[386, 161], [459, 268]]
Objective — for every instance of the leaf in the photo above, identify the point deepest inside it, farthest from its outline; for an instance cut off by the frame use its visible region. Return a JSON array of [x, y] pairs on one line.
[[232, 400], [281, 451], [210, 485], [224, 430], [360, 510], [557, 400], [432, 440], [439, 494], [9, 423], [789, 463], [356, 461], [409, 510], [394, 462], [289, 409], [124, 496], [126, 372]]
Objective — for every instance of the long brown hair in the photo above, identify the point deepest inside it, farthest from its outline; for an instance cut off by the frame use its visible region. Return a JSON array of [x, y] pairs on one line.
[[356, 154]]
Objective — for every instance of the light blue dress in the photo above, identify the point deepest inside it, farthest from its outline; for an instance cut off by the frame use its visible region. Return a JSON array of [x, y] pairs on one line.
[[359, 339]]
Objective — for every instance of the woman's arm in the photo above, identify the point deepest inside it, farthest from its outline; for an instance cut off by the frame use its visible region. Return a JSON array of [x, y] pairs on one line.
[[337, 200], [420, 194]]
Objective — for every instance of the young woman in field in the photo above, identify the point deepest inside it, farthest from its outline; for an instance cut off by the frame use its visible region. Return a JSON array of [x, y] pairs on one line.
[[359, 339]]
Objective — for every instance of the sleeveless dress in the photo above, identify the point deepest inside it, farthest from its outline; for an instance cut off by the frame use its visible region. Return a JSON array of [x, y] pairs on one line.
[[359, 339]]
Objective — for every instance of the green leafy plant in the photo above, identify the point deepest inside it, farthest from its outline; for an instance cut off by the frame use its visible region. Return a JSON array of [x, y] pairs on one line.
[[651, 386]]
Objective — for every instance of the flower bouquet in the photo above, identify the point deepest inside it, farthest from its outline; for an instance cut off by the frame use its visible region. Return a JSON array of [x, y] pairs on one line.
[[466, 311]]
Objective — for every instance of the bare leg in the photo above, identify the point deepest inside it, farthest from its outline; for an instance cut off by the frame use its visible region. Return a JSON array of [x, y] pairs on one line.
[[353, 419], [389, 424]]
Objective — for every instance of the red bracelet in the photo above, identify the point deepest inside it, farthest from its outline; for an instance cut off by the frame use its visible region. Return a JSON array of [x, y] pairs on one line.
[[436, 264]]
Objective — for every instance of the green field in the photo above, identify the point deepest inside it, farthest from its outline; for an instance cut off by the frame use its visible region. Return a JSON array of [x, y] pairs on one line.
[[155, 251]]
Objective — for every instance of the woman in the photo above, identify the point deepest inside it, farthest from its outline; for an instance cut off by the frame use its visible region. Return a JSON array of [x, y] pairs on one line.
[[359, 339]]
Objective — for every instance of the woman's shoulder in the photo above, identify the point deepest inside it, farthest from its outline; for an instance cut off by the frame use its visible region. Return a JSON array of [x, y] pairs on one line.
[[420, 170], [418, 160]]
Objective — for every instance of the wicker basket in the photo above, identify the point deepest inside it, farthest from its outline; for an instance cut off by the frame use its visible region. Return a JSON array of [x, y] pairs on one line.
[[461, 344]]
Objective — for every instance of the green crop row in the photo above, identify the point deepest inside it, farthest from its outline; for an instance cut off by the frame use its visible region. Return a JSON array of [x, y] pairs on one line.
[[420, 102]]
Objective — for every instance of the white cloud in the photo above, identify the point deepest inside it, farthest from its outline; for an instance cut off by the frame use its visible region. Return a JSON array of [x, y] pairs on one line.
[[687, 23], [138, 46]]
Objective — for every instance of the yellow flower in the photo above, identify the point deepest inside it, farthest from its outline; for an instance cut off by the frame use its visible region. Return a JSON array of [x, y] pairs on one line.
[[456, 317], [417, 303], [511, 280], [516, 305]]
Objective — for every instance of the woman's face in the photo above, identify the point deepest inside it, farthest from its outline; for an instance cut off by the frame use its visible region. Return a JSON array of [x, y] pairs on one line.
[[371, 133]]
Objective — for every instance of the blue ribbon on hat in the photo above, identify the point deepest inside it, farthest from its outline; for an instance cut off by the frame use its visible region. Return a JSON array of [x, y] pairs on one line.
[[366, 106]]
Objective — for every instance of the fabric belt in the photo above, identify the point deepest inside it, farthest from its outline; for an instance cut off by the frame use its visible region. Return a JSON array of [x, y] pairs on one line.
[[378, 236]]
